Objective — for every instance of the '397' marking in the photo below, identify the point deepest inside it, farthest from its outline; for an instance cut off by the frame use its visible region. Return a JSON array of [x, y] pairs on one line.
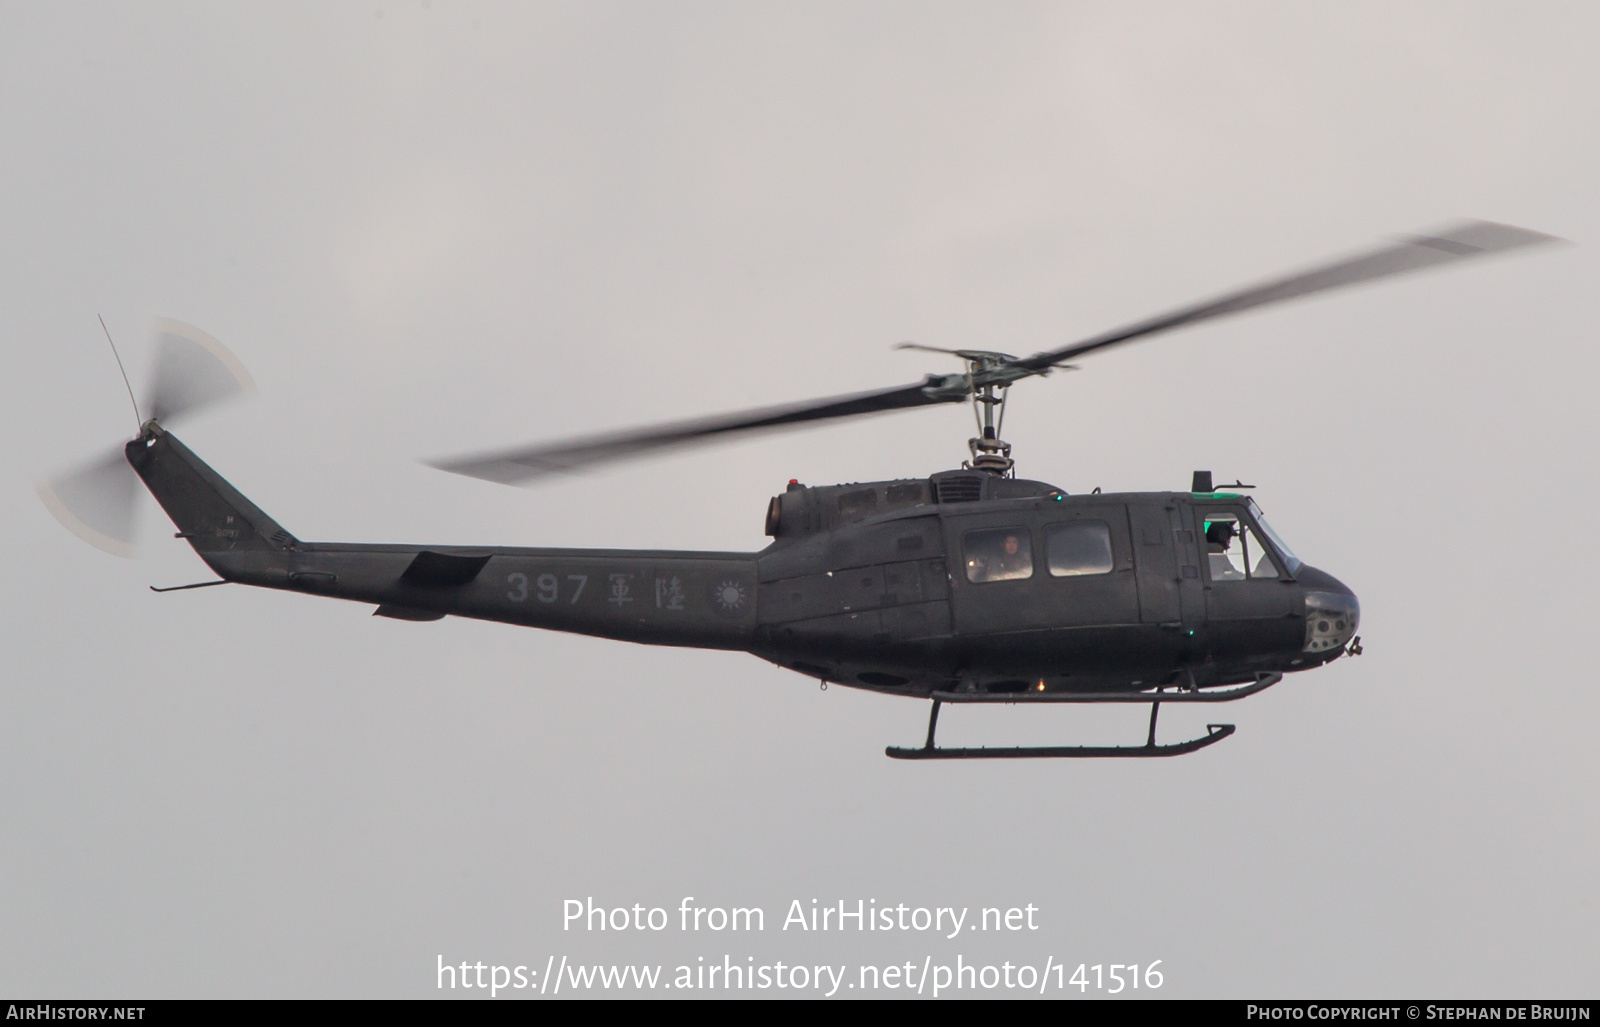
[[547, 587]]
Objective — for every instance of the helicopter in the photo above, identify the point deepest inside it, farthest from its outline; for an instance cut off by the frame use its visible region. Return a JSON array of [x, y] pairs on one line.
[[969, 585]]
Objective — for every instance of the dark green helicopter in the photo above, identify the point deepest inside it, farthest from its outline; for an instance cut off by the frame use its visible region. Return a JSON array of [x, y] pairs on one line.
[[966, 586]]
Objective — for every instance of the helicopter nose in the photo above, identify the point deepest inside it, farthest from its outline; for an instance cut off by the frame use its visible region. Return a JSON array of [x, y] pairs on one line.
[[1332, 612]]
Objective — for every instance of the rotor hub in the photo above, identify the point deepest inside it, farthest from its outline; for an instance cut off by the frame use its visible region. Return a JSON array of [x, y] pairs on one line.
[[987, 383]]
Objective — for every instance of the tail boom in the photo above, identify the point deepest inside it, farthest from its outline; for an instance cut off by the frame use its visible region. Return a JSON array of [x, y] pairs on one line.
[[662, 597]]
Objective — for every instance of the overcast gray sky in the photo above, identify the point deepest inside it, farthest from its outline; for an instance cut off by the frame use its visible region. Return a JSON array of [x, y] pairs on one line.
[[435, 227]]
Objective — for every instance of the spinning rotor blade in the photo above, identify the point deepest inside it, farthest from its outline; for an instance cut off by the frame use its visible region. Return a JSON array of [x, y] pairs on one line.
[[525, 465], [96, 502], [192, 370], [1460, 241], [991, 370]]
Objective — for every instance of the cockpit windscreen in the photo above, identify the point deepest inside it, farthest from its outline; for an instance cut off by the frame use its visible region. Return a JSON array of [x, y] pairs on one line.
[[1284, 551]]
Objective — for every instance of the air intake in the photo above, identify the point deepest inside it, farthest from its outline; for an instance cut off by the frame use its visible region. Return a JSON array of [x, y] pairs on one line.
[[959, 488]]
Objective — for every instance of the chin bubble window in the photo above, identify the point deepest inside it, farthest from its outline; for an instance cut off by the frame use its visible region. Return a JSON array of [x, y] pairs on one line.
[[1078, 547], [1234, 552], [1331, 621], [998, 554]]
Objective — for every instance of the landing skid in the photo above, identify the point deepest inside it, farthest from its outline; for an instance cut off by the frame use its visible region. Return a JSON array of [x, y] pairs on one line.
[[1214, 732]]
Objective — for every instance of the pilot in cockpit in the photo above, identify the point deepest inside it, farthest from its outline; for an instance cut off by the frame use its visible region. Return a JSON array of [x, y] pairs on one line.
[[1224, 565]]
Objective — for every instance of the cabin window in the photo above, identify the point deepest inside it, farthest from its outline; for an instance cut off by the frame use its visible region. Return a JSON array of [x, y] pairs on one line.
[[998, 554], [1078, 547], [1234, 551]]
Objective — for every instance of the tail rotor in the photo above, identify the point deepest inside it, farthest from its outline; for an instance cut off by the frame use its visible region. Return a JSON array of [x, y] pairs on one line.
[[192, 371], [98, 501]]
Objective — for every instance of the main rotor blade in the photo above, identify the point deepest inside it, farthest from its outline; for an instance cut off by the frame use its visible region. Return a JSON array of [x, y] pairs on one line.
[[1461, 241], [193, 370], [96, 502], [525, 465]]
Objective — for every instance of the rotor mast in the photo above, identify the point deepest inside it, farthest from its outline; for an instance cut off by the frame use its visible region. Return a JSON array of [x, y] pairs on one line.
[[987, 383], [990, 453]]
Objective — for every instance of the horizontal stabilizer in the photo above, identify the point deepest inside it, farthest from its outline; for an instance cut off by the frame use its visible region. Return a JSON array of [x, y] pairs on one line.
[[406, 613]]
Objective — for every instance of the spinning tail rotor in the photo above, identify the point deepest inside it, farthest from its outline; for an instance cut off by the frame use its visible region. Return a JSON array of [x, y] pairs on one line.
[[192, 371]]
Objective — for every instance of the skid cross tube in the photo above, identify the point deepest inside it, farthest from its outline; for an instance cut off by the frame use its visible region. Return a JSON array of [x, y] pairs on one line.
[[1214, 732]]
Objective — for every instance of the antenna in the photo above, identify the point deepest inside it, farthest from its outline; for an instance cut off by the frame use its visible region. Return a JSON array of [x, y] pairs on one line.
[[137, 418]]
